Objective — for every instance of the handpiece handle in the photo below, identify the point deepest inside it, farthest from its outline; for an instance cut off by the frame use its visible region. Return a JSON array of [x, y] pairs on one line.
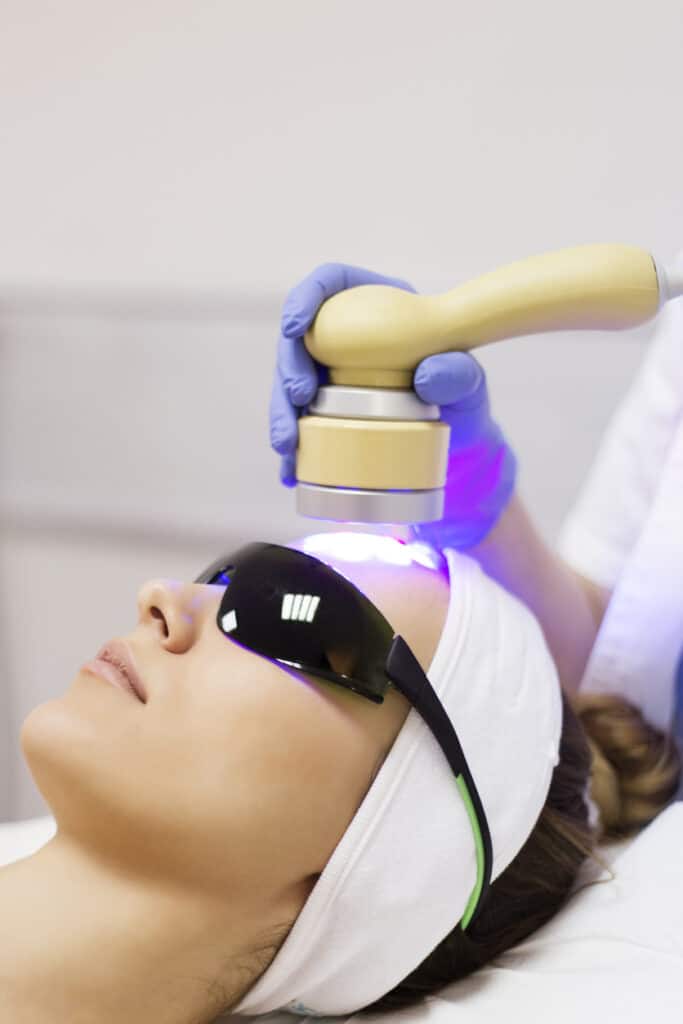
[[375, 335]]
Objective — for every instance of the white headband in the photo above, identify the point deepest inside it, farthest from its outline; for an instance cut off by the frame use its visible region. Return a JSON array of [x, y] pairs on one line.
[[400, 877]]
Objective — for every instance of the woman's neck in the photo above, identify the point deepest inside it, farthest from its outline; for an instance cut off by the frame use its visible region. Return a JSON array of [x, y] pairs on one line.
[[80, 944]]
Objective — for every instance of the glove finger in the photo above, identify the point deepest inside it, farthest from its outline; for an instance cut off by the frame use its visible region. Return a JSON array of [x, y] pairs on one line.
[[284, 432], [298, 370], [354, 276], [306, 298], [449, 378], [288, 470]]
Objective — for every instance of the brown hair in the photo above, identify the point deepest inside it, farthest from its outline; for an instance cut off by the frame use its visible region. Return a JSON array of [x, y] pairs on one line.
[[633, 770]]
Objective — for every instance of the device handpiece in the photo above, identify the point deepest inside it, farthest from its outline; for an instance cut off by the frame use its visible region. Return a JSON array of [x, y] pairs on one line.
[[369, 449], [379, 328]]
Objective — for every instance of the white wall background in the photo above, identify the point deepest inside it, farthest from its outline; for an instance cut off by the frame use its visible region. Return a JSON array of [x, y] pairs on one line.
[[168, 170]]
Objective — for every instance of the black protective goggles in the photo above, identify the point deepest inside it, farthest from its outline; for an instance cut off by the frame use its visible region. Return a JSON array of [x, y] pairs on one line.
[[301, 613]]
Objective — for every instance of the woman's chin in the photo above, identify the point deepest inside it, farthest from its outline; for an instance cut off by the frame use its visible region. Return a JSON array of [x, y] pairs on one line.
[[42, 734], [62, 733]]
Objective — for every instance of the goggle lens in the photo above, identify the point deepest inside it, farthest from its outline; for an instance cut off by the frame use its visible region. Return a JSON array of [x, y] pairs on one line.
[[298, 611]]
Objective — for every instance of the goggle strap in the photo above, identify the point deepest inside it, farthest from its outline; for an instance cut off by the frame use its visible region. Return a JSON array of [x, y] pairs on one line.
[[408, 677]]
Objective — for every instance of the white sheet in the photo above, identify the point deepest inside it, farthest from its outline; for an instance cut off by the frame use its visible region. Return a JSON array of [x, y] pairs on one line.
[[22, 838], [614, 953]]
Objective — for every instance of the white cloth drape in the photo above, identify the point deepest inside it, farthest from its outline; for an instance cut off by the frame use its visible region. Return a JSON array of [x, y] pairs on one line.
[[626, 531]]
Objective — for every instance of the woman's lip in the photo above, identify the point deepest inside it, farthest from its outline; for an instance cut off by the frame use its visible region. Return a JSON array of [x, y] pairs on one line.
[[111, 673], [116, 653]]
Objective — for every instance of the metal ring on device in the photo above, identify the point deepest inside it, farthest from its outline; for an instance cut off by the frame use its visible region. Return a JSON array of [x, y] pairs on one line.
[[347, 504], [371, 404]]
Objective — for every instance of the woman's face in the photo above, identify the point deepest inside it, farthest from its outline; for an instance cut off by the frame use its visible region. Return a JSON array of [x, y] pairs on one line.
[[236, 774]]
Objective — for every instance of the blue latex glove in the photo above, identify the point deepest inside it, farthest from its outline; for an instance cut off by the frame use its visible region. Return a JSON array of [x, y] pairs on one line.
[[481, 466]]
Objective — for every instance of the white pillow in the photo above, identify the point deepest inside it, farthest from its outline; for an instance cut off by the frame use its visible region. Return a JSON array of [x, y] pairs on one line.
[[614, 952]]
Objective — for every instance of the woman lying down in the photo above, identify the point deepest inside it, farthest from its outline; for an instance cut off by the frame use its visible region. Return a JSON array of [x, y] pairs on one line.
[[329, 777]]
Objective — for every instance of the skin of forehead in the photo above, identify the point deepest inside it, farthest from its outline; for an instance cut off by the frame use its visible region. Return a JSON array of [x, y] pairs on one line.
[[411, 596]]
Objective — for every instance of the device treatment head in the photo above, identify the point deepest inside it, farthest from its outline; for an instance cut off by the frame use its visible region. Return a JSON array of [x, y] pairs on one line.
[[371, 432], [370, 450]]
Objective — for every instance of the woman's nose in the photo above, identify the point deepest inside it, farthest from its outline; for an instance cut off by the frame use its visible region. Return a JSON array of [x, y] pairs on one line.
[[176, 611]]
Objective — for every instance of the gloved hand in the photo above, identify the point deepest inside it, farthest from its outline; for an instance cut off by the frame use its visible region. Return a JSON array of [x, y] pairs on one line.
[[297, 375], [481, 466]]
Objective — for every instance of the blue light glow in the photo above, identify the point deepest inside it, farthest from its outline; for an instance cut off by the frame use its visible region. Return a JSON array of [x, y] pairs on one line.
[[370, 547]]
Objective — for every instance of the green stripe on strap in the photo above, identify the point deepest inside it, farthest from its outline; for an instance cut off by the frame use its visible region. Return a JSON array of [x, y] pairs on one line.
[[479, 847]]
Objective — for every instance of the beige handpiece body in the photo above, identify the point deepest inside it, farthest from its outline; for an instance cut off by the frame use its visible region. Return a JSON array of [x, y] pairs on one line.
[[375, 335]]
